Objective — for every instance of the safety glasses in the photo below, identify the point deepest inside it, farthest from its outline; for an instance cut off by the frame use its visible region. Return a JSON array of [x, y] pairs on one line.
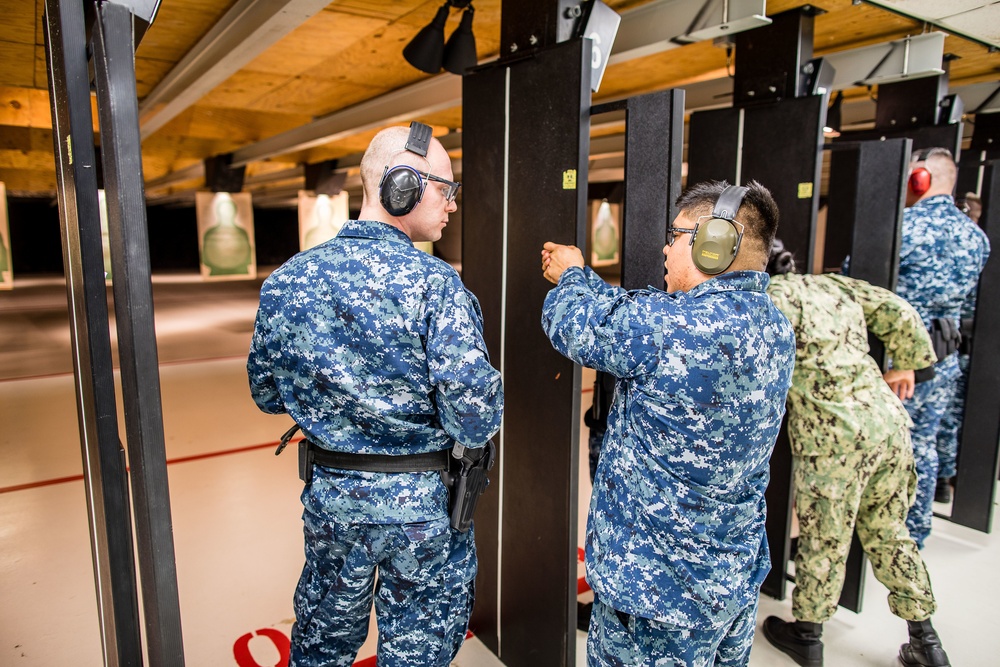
[[450, 192]]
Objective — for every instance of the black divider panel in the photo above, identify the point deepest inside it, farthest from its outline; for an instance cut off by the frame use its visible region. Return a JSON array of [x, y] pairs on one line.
[[654, 141], [866, 194], [977, 471], [948, 136], [713, 146], [545, 198], [483, 161], [782, 149], [979, 453]]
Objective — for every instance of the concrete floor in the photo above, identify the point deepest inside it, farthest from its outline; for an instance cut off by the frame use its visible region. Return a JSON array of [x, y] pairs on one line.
[[236, 512]]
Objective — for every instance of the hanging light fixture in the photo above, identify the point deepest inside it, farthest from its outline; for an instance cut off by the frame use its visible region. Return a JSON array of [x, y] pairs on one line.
[[427, 51], [460, 51]]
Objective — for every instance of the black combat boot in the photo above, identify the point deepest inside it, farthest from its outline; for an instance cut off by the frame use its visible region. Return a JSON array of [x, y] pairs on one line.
[[799, 639], [924, 649]]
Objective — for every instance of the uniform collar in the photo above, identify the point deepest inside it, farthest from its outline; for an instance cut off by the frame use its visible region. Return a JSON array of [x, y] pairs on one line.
[[936, 200], [752, 281], [373, 229]]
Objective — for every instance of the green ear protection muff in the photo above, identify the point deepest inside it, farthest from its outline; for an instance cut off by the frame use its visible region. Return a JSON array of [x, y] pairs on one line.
[[401, 187], [715, 243]]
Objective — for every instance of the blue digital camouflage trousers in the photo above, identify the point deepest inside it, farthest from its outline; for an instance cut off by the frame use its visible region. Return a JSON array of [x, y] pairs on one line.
[[951, 423], [868, 490], [633, 641], [931, 399], [423, 596]]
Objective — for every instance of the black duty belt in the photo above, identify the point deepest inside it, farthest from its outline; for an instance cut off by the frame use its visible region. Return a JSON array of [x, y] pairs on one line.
[[380, 462]]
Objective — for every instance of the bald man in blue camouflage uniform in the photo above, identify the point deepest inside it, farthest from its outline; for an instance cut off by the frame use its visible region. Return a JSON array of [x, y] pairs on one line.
[[941, 256], [676, 550], [375, 348]]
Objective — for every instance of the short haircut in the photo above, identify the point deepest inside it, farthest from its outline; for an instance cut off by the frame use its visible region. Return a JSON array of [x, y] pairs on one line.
[[941, 165], [925, 153], [387, 148], [758, 212]]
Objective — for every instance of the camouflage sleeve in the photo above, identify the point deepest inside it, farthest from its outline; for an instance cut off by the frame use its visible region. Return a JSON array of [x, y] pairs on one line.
[[895, 323], [786, 299], [469, 393], [263, 388], [601, 288], [612, 331]]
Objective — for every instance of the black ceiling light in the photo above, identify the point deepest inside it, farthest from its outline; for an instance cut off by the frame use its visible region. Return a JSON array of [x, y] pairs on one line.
[[427, 51], [460, 51]]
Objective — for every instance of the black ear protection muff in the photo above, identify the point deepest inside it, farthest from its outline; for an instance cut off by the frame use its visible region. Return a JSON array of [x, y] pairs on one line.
[[715, 243], [401, 187]]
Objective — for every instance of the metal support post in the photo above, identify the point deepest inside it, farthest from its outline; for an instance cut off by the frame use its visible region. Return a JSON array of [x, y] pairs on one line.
[[112, 46], [105, 474]]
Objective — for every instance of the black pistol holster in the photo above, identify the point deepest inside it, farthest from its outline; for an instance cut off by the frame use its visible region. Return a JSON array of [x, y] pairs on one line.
[[946, 337], [305, 453], [466, 479]]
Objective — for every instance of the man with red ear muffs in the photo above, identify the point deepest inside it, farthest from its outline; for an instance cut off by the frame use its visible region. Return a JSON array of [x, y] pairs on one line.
[[941, 256]]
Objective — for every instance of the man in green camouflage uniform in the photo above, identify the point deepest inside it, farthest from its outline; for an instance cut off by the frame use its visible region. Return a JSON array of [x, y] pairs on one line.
[[850, 442]]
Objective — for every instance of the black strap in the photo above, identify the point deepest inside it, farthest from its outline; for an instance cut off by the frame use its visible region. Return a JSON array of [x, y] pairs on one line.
[[729, 202], [380, 462]]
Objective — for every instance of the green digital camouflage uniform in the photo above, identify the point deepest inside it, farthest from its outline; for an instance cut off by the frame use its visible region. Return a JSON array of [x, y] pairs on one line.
[[850, 440]]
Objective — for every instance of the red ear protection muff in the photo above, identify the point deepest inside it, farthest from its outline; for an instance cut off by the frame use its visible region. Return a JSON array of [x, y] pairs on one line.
[[920, 181]]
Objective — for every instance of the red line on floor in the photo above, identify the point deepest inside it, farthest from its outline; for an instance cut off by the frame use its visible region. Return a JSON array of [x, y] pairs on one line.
[[173, 362], [180, 459]]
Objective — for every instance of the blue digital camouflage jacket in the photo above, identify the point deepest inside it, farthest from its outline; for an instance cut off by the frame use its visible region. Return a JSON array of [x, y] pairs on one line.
[[373, 346], [941, 255], [676, 525]]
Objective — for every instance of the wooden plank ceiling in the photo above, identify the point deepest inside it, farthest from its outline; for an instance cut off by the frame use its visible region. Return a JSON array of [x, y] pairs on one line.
[[346, 53]]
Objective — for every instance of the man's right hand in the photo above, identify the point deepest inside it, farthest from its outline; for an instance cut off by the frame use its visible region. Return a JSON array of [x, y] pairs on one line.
[[557, 258], [901, 383]]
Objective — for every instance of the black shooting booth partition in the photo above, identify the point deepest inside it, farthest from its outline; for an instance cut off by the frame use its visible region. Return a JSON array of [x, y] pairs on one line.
[[778, 144], [979, 449], [525, 145], [979, 445], [525, 151], [866, 194], [113, 29]]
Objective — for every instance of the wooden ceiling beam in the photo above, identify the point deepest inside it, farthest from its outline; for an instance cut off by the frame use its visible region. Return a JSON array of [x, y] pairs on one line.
[[248, 29]]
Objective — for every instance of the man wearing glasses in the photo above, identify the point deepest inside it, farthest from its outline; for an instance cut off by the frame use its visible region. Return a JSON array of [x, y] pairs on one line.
[[375, 350], [676, 549]]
